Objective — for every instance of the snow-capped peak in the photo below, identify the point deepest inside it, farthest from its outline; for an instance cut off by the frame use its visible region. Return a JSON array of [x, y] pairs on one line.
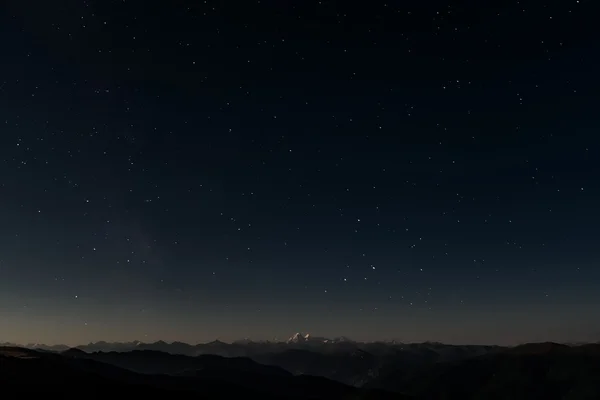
[[298, 338], [306, 338]]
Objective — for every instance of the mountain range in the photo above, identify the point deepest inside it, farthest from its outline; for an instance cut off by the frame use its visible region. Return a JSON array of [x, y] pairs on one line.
[[249, 348], [308, 367], [76, 373]]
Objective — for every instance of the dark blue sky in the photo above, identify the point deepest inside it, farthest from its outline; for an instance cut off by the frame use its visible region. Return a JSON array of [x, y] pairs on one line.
[[192, 170]]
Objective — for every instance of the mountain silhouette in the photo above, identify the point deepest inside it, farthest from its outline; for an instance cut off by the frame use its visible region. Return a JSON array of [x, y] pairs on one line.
[[156, 362], [27, 371], [544, 371], [420, 371]]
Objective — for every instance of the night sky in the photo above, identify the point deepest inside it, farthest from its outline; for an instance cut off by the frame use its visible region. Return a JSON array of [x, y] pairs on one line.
[[193, 170]]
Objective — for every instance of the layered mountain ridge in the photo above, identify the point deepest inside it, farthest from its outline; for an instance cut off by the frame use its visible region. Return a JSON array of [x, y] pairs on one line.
[[425, 371]]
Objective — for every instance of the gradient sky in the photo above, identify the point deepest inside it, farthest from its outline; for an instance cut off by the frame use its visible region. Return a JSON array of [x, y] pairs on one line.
[[197, 170]]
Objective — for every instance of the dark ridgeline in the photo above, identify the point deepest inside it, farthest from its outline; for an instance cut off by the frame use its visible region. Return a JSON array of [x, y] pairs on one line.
[[26, 371], [427, 371]]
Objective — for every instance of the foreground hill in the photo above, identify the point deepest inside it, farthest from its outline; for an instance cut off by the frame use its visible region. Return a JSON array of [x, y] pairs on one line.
[[544, 371], [27, 371]]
